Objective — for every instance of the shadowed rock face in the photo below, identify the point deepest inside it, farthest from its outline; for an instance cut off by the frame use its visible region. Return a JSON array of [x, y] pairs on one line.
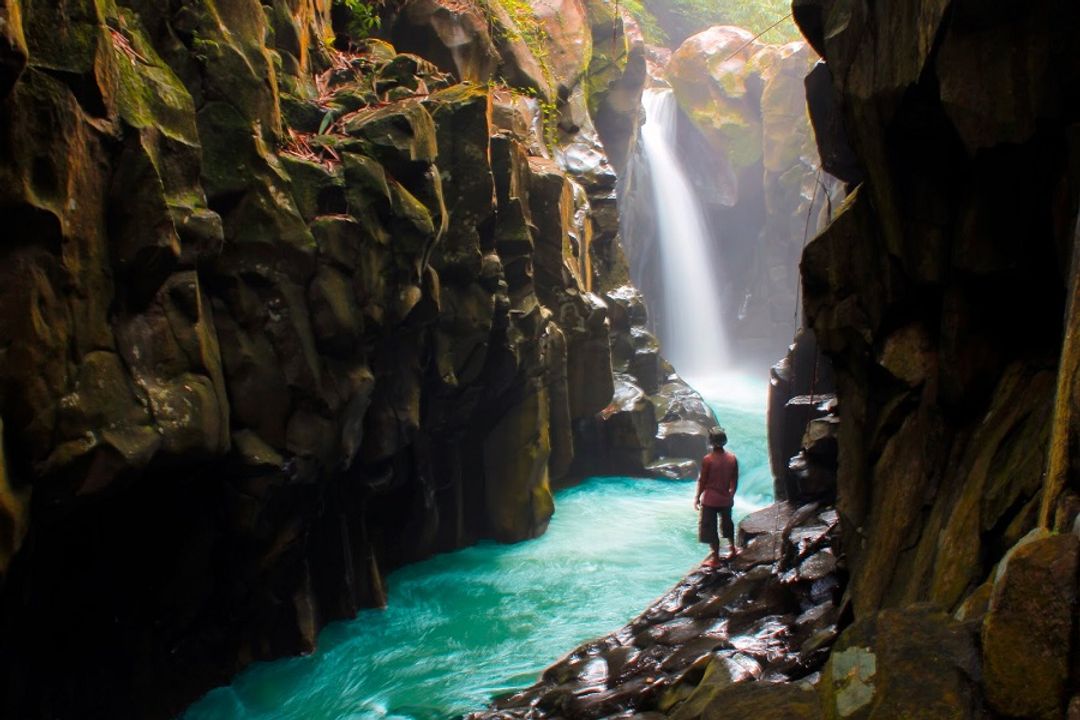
[[278, 318], [943, 293]]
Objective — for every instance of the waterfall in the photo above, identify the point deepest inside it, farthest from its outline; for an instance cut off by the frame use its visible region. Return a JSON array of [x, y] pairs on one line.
[[689, 323]]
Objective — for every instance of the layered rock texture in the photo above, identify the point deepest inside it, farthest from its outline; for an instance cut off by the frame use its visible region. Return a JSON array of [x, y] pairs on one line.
[[943, 295], [282, 312], [745, 138]]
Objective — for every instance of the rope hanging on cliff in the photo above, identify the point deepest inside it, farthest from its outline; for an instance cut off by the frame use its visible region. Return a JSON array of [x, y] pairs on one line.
[[805, 239], [754, 39], [615, 35]]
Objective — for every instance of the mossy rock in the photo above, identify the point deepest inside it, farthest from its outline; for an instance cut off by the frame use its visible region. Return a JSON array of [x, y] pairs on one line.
[[881, 668], [404, 71], [396, 135], [229, 42], [413, 224], [717, 84], [316, 189], [301, 114], [377, 50], [63, 37], [517, 488], [349, 100], [150, 95], [1026, 634], [229, 152], [366, 182]]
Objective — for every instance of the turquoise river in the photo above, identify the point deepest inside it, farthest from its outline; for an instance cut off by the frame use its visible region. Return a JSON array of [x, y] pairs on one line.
[[463, 627]]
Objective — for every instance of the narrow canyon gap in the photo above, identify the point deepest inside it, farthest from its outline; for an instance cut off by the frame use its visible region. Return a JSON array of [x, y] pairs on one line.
[[303, 302]]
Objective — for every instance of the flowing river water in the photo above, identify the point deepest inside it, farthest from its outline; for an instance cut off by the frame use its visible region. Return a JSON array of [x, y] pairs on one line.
[[465, 626]]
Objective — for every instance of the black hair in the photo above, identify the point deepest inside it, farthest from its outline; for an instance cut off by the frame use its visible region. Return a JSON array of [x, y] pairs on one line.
[[718, 437]]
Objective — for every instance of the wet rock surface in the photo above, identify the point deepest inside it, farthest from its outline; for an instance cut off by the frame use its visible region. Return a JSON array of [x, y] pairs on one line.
[[656, 425], [957, 415], [285, 309], [766, 619]]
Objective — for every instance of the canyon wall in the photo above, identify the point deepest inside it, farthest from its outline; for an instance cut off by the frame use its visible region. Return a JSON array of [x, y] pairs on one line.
[[944, 294], [943, 297], [285, 308]]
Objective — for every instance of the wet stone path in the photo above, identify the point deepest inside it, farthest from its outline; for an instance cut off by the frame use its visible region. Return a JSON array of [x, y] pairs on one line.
[[768, 615]]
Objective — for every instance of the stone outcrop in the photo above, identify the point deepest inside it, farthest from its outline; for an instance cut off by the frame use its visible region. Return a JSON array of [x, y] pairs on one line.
[[951, 439], [952, 349], [724, 642], [655, 424], [280, 315]]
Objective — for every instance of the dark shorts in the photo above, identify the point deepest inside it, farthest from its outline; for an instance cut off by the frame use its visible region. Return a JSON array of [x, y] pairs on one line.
[[707, 526]]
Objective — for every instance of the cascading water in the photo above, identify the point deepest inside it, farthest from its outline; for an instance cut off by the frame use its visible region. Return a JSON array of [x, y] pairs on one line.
[[689, 324]]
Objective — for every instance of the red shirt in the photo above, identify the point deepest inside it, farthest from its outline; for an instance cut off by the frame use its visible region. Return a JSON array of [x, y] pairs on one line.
[[719, 479]]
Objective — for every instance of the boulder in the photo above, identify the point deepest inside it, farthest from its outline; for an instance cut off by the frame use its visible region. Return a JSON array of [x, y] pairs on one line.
[[454, 36], [1030, 627], [879, 667], [682, 438], [628, 427], [674, 468], [726, 105]]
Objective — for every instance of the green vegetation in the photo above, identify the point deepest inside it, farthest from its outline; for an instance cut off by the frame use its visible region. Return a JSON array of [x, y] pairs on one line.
[[525, 27], [362, 17], [669, 22]]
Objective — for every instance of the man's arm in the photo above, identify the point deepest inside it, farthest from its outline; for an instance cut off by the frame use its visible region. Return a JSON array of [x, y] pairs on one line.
[[734, 479], [700, 483]]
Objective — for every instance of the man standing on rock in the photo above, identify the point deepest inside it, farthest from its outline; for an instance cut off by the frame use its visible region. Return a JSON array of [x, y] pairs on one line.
[[715, 495]]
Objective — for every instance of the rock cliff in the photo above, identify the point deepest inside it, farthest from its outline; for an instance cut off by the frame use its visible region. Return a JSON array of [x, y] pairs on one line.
[[943, 296], [285, 308], [943, 293]]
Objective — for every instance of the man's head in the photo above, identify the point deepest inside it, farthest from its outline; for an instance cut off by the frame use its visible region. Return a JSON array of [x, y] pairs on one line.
[[718, 438]]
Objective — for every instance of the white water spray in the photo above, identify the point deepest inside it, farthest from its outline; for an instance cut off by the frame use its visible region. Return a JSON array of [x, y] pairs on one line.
[[690, 327]]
